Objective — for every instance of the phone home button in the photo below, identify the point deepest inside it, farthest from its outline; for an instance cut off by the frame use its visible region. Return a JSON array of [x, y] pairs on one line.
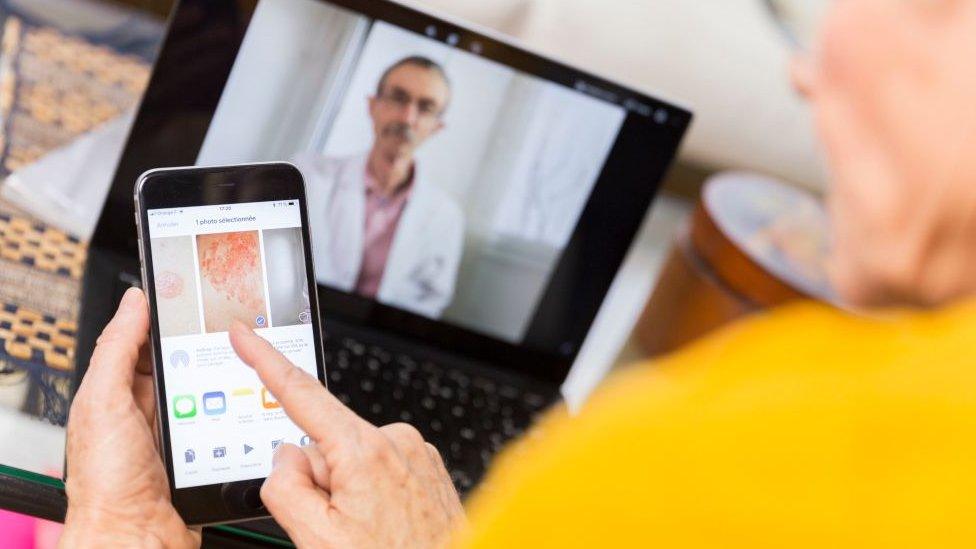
[[243, 497], [251, 498]]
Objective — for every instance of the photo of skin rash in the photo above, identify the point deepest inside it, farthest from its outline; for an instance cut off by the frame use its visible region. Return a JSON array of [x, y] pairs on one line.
[[231, 280], [175, 284]]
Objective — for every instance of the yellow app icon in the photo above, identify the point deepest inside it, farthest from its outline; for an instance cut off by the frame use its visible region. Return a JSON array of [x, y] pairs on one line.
[[245, 398]]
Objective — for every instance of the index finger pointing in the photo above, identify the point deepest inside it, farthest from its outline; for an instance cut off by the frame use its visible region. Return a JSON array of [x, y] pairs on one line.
[[310, 405]]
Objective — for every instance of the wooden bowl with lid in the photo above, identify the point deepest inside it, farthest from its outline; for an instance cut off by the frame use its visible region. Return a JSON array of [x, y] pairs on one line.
[[752, 243]]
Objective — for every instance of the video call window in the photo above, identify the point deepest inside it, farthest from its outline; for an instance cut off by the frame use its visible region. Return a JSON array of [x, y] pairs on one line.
[[439, 182]]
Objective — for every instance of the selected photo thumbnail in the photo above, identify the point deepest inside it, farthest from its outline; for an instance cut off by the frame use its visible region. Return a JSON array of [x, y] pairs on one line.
[[284, 257], [176, 292], [231, 280]]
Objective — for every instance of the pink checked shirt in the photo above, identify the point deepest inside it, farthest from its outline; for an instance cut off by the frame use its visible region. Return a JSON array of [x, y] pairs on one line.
[[382, 217]]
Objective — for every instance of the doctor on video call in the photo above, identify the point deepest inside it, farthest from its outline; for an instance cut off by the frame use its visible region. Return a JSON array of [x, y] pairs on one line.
[[381, 229]]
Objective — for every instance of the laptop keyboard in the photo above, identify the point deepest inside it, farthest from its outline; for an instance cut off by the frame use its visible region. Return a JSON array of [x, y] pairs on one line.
[[467, 417]]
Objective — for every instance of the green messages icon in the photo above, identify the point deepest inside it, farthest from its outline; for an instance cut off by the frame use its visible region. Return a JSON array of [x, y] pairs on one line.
[[184, 406]]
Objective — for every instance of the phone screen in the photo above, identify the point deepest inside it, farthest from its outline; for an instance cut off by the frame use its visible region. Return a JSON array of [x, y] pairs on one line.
[[212, 265]]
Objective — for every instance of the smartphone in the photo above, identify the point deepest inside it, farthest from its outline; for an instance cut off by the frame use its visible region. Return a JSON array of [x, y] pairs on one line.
[[220, 244]]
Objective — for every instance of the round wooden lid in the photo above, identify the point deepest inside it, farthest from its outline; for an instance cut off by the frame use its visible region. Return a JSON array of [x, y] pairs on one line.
[[767, 240]]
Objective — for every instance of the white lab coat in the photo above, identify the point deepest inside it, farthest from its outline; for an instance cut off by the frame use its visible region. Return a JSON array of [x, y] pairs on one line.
[[421, 269]]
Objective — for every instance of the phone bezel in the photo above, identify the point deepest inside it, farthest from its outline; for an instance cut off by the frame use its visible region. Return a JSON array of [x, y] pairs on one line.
[[194, 186]]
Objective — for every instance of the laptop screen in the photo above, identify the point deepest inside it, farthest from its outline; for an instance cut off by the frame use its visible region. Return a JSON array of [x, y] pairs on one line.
[[465, 193], [442, 181]]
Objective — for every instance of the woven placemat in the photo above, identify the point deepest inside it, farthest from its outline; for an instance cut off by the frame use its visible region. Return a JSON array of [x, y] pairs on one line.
[[55, 87], [40, 273]]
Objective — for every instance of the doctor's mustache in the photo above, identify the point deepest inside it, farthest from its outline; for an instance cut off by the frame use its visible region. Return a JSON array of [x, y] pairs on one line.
[[400, 130]]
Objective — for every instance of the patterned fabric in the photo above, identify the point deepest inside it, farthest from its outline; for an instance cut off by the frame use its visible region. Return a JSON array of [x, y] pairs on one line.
[[29, 335], [37, 245], [40, 344], [53, 88]]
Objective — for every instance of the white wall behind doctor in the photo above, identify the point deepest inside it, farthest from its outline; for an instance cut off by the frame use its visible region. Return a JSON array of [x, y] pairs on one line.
[[546, 154], [289, 61]]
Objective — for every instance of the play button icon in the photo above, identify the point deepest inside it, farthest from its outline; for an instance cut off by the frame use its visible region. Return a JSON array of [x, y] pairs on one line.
[[247, 449]]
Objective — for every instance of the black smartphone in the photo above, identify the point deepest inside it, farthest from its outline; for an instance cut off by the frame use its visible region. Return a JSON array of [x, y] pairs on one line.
[[220, 244]]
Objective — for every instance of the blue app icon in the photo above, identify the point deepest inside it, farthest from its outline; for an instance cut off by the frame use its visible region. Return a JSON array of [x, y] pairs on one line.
[[214, 403]]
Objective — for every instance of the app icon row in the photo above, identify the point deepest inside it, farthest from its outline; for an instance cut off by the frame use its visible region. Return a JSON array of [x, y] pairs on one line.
[[220, 452], [214, 403]]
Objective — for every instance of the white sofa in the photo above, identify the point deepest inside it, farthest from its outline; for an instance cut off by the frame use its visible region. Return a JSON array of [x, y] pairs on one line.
[[723, 58]]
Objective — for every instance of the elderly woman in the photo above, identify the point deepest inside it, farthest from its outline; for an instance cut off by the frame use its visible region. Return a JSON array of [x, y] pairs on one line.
[[805, 427]]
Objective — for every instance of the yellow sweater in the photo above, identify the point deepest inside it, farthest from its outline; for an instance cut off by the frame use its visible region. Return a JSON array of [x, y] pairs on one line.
[[802, 428]]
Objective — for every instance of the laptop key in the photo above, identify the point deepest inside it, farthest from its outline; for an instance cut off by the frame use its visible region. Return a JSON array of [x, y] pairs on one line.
[[534, 400], [508, 392], [456, 450]]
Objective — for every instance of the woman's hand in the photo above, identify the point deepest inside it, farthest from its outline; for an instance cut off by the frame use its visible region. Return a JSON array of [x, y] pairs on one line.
[[357, 485], [117, 488]]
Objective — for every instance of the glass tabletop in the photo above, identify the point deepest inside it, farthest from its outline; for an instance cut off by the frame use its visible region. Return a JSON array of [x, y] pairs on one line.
[[42, 496]]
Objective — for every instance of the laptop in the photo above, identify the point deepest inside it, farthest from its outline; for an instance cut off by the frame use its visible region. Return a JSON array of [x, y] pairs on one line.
[[470, 201]]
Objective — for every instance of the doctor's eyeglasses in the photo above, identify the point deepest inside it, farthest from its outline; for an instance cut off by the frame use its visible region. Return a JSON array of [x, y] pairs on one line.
[[397, 97]]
